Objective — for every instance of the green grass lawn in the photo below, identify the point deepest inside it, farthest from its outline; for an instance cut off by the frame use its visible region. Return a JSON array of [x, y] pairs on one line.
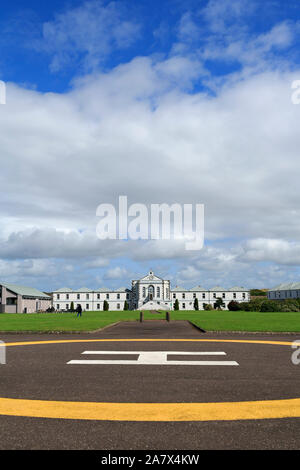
[[242, 321], [208, 320]]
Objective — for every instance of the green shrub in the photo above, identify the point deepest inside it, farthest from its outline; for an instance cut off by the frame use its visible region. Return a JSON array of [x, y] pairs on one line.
[[208, 307], [234, 306], [269, 306]]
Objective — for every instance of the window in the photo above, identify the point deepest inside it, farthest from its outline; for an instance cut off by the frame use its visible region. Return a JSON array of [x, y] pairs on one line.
[[183, 305], [107, 296], [98, 306], [244, 295], [78, 296], [57, 296], [87, 296], [194, 295], [67, 296], [118, 306], [87, 306], [98, 296], [67, 306], [144, 291], [203, 296], [174, 296], [57, 307], [158, 292], [118, 296], [183, 296], [215, 295], [223, 295], [234, 295]]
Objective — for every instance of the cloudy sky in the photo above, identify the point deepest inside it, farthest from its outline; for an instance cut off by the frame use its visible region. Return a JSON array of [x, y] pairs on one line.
[[165, 102]]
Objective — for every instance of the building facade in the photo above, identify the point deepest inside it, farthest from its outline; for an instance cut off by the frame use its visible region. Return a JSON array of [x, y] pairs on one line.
[[21, 299], [285, 291], [148, 293]]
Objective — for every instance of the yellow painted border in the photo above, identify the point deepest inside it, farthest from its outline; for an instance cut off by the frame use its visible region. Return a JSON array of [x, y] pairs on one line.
[[227, 411], [61, 341], [151, 411]]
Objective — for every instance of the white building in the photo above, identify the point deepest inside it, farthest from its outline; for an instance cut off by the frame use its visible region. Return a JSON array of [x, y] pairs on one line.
[[285, 291], [148, 293]]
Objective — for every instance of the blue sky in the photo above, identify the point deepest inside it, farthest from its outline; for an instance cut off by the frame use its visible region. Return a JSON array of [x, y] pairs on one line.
[[156, 26], [165, 101]]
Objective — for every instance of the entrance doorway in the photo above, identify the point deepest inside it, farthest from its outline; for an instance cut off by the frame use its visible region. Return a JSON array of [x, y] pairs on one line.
[[150, 292]]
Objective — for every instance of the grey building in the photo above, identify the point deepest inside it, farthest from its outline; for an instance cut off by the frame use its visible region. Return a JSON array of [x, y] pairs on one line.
[[284, 291], [21, 299]]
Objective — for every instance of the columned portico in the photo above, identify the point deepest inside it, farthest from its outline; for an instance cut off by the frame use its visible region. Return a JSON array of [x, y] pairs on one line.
[[151, 288]]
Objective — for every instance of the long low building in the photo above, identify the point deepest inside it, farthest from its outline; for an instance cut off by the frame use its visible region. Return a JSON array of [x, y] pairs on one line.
[[149, 293], [21, 299], [285, 291]]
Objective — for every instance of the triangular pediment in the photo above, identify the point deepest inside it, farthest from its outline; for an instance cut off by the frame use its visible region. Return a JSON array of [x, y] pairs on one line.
[[151, 277]]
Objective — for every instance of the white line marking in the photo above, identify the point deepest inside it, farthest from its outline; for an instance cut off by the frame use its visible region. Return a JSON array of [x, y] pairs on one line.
[[166, 363], [177, 353], [155, 358]]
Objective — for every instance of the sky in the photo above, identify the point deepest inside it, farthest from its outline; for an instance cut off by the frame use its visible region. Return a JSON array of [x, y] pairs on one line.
[[164, 102]]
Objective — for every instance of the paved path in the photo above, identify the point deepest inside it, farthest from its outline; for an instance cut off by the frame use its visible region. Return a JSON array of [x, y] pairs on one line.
[[41, 372]]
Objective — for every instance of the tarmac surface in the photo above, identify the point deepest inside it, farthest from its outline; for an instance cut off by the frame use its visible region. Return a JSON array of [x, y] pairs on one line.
[[43, 372]]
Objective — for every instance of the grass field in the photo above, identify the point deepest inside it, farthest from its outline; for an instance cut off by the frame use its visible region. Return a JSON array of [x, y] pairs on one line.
[[209, 321]]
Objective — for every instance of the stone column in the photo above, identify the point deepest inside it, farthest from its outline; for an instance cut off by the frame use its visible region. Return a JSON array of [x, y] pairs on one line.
[[3, 299], [19, 304]]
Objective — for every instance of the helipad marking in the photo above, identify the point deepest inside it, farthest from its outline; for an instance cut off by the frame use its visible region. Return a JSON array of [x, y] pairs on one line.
[[228, 411], [153, 358]]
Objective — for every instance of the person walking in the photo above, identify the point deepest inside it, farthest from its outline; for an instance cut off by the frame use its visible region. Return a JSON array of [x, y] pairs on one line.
[[79, 311]]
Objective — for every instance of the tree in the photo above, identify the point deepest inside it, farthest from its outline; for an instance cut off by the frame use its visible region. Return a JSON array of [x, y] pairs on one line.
[[126, 306], [196, 304], [219, 303], [105, 305], [176, 305], [258, 293], [72, 307]]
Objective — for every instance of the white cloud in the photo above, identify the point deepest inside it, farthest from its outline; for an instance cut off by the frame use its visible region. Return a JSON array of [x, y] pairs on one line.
[[117, 273], [137, 131], [88, 34]]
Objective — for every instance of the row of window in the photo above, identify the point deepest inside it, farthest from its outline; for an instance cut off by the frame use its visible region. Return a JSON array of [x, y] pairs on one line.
[[284, 294], [151, 291], [214, 295], [87, 296], [87, 306]]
